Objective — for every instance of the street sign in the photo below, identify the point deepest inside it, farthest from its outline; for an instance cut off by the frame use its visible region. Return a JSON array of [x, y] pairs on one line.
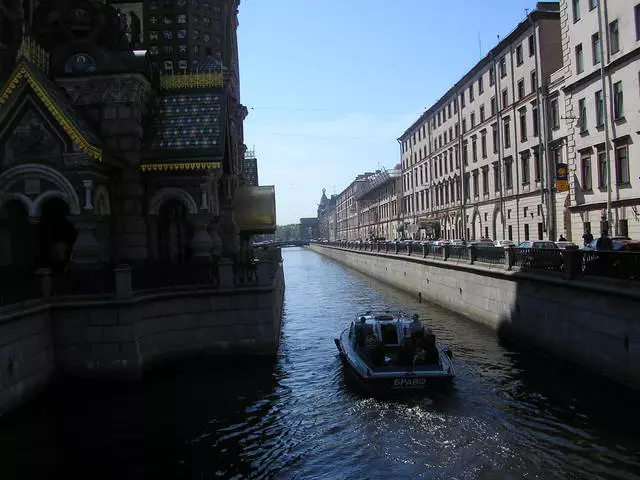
[[562, 177]]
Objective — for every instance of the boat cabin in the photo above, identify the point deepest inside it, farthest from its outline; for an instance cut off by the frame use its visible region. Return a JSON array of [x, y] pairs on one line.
[[392, 337], [390, 328]]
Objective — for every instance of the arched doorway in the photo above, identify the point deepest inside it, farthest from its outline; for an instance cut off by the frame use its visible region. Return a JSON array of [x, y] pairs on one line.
[[56, 236], [173, 233], [17, 237]]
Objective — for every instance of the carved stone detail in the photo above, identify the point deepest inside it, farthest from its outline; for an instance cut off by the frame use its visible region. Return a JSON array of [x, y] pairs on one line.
[[29, 140], [127, 88], [77, 160]]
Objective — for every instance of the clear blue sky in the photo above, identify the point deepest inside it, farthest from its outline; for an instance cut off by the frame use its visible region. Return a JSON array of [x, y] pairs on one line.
[[331, 84]]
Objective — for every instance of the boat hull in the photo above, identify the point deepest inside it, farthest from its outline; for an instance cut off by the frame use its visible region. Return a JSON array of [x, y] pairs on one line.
[[396, 381]]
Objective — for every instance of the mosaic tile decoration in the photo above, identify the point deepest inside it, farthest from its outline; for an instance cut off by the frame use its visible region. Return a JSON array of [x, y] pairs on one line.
[[187, 121]]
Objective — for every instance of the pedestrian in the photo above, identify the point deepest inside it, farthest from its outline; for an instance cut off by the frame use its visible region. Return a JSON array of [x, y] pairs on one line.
[[587, 238], [604, 242], [561, 238]]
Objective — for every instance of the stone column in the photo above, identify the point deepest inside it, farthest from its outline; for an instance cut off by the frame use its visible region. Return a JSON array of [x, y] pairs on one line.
[[123, 281], [472, 251], [86, 249], [570, 261], [201, 242], [88, 187], [509, 257]]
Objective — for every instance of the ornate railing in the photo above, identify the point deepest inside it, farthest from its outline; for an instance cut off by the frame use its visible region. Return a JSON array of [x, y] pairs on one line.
[[488, 254], [570, 262], [84, 281], [624, 265], [20, 284], [539, 259], [149, 277]]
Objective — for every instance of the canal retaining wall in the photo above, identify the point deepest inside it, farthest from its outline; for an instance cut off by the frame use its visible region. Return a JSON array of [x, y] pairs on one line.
[[593, 323], [107, 338]]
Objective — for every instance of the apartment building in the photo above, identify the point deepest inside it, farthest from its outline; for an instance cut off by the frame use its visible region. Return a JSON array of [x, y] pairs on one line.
[[601, 51], [378, 205], [347, 218], [482, 161]]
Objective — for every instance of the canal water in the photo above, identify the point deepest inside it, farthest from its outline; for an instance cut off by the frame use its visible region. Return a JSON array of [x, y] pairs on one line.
[[512, 414]]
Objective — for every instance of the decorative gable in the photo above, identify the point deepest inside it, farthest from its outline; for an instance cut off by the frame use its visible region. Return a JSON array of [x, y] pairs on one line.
[[31, 76], [30, 139]]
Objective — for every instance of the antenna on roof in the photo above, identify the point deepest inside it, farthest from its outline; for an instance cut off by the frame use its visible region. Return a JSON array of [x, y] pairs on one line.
[[479, 44], [526, 12]]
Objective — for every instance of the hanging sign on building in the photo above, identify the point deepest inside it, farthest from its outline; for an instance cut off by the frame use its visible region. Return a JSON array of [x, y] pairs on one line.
[[562, 177]]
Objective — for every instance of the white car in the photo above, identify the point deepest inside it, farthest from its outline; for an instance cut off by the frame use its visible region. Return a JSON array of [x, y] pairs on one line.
[[503, 243]]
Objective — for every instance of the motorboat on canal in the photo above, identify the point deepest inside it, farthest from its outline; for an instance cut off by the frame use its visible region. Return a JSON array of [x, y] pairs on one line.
[[390, 351]]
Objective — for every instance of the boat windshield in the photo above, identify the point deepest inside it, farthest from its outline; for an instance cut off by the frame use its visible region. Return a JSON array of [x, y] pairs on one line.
[[389, 333]]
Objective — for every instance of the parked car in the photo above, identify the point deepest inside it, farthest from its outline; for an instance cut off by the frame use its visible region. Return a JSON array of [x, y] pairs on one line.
[[482, 242], [564, 244], [503, 243], [540, 254]]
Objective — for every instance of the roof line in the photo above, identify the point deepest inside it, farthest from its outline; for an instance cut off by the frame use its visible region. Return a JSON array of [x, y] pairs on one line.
[[22, 73], [522, 26]]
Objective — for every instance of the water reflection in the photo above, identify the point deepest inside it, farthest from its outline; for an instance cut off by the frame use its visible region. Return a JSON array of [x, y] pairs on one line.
[[510, 414]]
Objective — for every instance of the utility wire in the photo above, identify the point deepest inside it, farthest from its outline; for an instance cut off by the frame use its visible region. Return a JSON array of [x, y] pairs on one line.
[[329, 110], [372, 138]]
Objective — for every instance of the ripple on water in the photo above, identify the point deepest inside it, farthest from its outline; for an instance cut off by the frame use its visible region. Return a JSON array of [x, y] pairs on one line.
[[509, 415]]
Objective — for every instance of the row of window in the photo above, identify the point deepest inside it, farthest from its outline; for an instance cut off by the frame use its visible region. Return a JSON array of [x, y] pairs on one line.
[[479, 141], [449, 191], [169, 5], [181, 19], [448, 136], [420, 175], [169, 50], [618, 108], [379, 213], [169, 35], [620, 164], [596, 47], [577, 13]]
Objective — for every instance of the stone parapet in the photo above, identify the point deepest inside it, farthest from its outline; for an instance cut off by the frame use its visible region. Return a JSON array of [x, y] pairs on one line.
[[120, 335]]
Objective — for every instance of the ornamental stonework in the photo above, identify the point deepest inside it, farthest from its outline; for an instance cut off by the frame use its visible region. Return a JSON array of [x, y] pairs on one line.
[[127, 88]]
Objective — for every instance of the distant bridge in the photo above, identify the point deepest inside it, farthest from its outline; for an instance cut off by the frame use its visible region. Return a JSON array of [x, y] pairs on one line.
[[283, 243]]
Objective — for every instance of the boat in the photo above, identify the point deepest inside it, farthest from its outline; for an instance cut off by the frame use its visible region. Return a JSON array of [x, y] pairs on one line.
[[389, 351]]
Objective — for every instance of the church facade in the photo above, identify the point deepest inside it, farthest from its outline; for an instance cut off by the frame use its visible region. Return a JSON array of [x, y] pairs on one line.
[[107, 159]]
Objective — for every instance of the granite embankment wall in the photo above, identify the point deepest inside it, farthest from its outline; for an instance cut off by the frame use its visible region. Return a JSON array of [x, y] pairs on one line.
[[592, 322], [107, 338]]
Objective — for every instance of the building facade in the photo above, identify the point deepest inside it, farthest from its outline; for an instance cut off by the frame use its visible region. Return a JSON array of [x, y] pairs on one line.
[[378, 206], [601, 54], [481, 162], [182, 34], [308, 229], [108, 160], [327, 217], [347, 214]]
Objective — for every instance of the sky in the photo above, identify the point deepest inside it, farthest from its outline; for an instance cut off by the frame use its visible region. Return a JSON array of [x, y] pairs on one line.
[[331, 84]]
